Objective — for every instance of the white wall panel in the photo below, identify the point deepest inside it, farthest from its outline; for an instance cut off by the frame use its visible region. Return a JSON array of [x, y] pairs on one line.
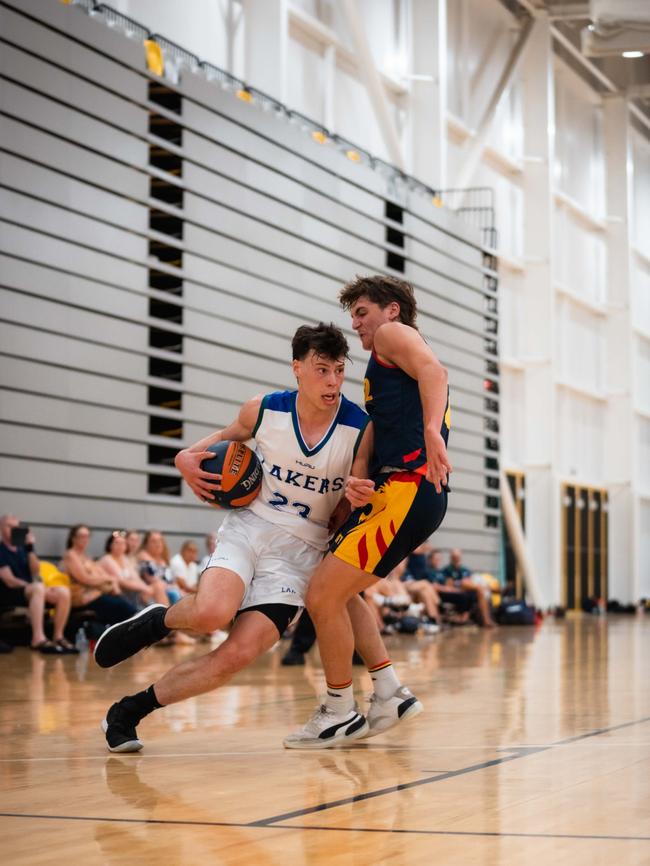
[[272, 224], [641, 295], [644, 549], [641, 192], [579, 432], [513, 418], [579, 169], [580, 260], [642, 374], [581, 346]]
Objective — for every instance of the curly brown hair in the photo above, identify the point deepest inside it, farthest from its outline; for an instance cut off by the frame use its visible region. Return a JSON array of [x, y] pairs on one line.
[[382, 290]]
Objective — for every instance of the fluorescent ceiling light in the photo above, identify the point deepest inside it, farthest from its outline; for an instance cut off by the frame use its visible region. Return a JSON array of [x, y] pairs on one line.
[[632, 54]]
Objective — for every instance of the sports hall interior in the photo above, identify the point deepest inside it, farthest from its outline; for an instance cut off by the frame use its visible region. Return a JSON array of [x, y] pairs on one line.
[[181, 186]]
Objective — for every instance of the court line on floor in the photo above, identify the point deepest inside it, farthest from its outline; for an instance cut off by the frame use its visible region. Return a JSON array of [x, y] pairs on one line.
[[531, 747], [521, 752], [392, 789], [244, 826]]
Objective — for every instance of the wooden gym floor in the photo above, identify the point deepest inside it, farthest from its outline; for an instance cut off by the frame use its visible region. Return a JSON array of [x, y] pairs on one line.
[[534, 747]]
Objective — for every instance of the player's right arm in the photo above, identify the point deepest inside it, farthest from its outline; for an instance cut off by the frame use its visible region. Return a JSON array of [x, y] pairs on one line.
[[358, 487], [188, 461]]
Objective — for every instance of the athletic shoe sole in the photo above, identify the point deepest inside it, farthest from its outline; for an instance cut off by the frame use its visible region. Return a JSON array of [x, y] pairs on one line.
[[327, 743], [129, 746], [410, 712], [118, 625]]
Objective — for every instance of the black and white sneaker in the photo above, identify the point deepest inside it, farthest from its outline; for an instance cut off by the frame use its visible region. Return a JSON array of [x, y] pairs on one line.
[[119, 727], [125, 639], [327, 728], [385, 713]]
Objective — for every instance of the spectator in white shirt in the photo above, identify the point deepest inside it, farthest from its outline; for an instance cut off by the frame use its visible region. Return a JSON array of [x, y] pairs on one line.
[[184, 568]]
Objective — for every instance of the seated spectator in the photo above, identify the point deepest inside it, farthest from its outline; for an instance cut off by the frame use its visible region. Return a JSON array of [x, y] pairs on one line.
[[20, 586], [184, 569], [394, 597], [210, 546], [455, 570], [92, 586], [451, 597], [118, 565], [425, 593], [153, 560], [417, 562], [153, 563], [459, 576], [133, 545], [434, 572]]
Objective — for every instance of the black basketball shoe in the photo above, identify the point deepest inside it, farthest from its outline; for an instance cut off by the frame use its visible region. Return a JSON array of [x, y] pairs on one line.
[[119, 727], [124, 639]]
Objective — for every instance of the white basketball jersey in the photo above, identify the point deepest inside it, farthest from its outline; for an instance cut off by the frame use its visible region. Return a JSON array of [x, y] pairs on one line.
[[301, 486]]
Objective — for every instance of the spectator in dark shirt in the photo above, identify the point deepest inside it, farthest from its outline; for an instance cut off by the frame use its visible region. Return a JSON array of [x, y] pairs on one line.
[[460, 576], [455, 570], [20, 586], [417, 562]]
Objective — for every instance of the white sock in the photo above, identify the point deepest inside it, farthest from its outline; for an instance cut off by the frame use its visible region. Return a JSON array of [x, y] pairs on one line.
[[340, 698], [384, 679]]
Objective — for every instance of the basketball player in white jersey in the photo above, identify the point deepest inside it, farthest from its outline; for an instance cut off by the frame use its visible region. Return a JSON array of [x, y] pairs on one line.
[[309, 442]]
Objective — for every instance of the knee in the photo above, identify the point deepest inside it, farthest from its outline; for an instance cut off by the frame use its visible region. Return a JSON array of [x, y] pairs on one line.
[[61, 594], [233, 657], [208, 618], [317, 600], [37, 590]]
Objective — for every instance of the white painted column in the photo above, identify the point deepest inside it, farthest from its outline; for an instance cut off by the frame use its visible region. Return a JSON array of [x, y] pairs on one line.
[[538, 335], [428, 108], [266, 41], [620, 438]]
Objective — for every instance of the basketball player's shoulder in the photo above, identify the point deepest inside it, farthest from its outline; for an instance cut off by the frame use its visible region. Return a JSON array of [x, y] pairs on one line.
[[276, 401], [351, 415], [392, 334], [279, 401]]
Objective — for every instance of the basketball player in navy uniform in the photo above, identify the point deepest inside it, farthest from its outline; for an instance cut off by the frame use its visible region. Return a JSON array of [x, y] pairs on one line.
[[404, 502], [309, 442]]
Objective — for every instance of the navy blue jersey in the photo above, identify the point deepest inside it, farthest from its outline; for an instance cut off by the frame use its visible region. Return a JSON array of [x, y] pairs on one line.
[[392, 399]]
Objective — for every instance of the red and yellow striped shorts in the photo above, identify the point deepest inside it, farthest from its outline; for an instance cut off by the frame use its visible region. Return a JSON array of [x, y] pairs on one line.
[[403, 512]]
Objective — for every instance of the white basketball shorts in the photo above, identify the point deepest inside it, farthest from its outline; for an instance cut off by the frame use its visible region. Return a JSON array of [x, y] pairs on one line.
[[274, 565]]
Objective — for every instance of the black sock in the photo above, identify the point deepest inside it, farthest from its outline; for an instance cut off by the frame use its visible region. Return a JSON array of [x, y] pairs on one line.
[[143, 703]]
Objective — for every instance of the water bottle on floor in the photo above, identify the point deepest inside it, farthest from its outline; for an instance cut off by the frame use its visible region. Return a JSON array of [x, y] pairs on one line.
[[81, 641]]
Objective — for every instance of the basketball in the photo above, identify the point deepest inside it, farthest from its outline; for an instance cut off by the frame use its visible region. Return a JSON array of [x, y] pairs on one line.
[[241, 474]]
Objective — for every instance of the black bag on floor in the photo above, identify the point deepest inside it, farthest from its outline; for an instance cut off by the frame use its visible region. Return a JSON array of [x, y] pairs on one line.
[[515, 611]]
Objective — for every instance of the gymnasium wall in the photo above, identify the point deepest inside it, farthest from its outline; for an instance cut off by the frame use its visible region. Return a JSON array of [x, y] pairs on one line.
[[159, 244]]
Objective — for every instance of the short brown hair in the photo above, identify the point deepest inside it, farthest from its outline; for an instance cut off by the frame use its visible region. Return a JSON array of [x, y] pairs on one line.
[[328, 341], [382, 290]]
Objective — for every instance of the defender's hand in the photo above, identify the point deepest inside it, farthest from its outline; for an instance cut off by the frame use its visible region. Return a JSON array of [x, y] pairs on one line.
[[438, 465], [359, 491]]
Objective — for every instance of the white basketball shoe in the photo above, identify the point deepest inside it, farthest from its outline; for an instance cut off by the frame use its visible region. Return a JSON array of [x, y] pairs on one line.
[[385, 713], [327, 728]]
